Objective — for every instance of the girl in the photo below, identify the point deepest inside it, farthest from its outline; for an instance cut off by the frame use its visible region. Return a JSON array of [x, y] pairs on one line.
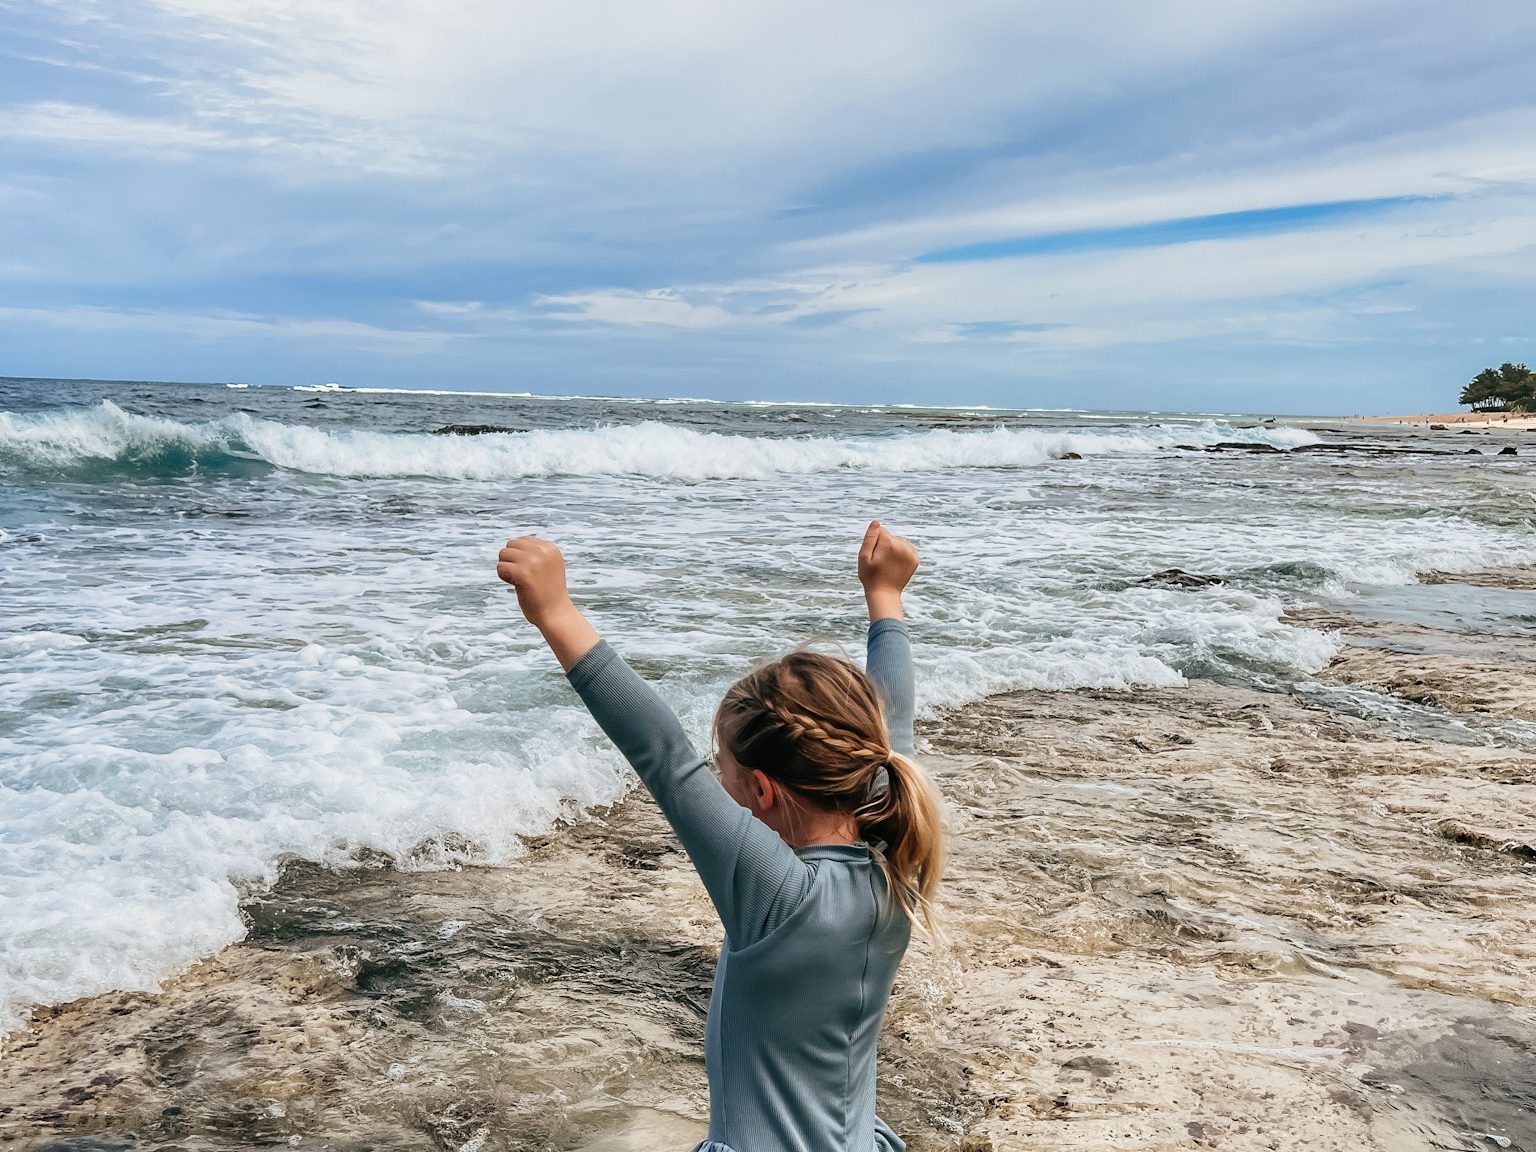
[[819, 846]]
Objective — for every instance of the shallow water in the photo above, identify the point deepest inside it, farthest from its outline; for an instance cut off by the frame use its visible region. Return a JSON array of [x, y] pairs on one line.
[[246, 625]]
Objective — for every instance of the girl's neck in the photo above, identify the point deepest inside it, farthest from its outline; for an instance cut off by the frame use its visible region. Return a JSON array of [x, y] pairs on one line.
[[828, 828]]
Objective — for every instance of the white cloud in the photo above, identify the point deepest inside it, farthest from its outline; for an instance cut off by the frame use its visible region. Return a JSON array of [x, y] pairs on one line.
[[223, 325], [1103, 298], [662, 307], [749, 96], [1463, 158], [451, 307], [60, 123]]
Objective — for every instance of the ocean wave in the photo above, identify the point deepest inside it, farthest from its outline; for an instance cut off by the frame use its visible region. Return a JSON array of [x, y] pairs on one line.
[[106, 438]]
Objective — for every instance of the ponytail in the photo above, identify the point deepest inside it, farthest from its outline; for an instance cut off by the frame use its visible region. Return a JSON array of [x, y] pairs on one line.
[[906, 816]]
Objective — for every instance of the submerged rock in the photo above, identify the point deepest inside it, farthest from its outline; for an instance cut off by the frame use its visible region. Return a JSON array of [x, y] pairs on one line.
[[473, 429], [1070, 456], [1178, 578]]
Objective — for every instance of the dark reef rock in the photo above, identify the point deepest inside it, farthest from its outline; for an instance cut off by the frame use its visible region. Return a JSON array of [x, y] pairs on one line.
[[1509, 450], [1178, 578], [472, 429]]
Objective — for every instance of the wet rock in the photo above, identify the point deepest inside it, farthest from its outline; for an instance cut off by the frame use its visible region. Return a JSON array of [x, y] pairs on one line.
[[1437, 428], [1458, 833], [1093, 1065], [1242, 446], [473, 429], [1509, 450], [1503, 576], [1372, 449], [1479, 678], [1070, 456], [1178, 578]]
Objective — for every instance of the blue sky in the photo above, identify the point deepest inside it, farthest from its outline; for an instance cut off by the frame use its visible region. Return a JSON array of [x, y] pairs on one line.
[[1293, 207]]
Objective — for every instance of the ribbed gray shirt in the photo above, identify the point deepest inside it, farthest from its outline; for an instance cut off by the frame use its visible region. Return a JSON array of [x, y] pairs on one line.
[[812, 935]]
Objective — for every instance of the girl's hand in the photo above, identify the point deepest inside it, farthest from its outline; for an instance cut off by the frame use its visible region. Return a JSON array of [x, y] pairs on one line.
[[537, 570], [886, 564]]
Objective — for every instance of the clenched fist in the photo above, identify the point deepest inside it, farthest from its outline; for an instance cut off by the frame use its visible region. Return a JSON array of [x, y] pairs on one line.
[[886, 564], [537, 570]]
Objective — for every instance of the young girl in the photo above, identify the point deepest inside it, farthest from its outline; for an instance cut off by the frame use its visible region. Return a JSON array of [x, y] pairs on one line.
[[819, 846]]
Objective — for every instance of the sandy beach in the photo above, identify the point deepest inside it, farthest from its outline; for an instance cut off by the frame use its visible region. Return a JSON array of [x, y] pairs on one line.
[[1490, 421], [1198, 917]]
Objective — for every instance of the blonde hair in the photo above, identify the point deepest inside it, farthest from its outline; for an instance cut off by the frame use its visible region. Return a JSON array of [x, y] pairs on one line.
[[814, 723]]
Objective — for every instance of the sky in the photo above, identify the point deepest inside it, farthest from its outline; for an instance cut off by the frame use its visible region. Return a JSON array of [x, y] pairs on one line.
[[1288, 206]]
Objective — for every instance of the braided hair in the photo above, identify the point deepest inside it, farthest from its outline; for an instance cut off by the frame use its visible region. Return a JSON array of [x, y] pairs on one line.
[[814, 723]]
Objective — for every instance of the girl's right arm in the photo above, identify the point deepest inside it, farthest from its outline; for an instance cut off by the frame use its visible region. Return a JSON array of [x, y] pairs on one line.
[[886, 564], [749, 872]]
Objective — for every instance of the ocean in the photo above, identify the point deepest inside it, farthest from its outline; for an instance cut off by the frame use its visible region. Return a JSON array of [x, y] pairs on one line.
[[247, 625]]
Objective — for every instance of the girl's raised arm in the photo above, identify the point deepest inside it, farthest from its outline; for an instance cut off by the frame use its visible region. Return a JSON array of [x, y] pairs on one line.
[[886, 564], [747, 869]]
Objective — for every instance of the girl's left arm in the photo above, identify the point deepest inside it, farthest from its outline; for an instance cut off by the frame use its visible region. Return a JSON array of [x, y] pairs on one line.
[[886, 565], [752, 876]]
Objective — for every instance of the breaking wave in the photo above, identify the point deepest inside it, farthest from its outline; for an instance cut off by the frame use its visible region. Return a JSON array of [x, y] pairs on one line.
[[109, 441]]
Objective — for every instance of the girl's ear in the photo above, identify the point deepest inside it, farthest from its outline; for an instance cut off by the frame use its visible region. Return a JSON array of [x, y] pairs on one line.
[[763, 790]]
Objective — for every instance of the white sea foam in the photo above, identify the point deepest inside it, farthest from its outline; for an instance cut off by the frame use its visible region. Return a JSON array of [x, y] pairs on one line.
[[664, 451]]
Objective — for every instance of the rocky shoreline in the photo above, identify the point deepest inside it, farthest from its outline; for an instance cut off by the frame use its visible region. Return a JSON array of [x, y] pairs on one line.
[[1203, 917]]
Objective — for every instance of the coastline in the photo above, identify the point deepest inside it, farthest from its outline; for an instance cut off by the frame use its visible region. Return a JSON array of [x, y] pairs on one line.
[[1480, 421], [1179, 918]]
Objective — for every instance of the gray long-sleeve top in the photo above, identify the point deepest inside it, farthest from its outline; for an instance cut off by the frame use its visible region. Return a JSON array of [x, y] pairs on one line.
[[813, 936]]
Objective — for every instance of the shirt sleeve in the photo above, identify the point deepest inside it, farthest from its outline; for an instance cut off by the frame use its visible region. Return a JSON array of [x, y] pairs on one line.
[[753, 877], [889, 664]]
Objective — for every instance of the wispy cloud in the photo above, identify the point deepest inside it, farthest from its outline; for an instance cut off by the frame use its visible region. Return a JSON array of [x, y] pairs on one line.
[[215, 326]]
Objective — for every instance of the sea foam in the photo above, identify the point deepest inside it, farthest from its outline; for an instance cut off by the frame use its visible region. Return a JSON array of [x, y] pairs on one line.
[[108, 436]]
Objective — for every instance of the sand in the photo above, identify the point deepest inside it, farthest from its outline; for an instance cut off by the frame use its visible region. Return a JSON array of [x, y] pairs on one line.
[[1493, 421], [1189, 918]]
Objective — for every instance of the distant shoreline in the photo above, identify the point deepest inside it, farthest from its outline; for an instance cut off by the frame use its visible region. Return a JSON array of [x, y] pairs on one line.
[[1511, 421]]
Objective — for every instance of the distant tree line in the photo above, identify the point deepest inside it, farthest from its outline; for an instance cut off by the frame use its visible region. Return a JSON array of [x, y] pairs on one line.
[[1507, 388]]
